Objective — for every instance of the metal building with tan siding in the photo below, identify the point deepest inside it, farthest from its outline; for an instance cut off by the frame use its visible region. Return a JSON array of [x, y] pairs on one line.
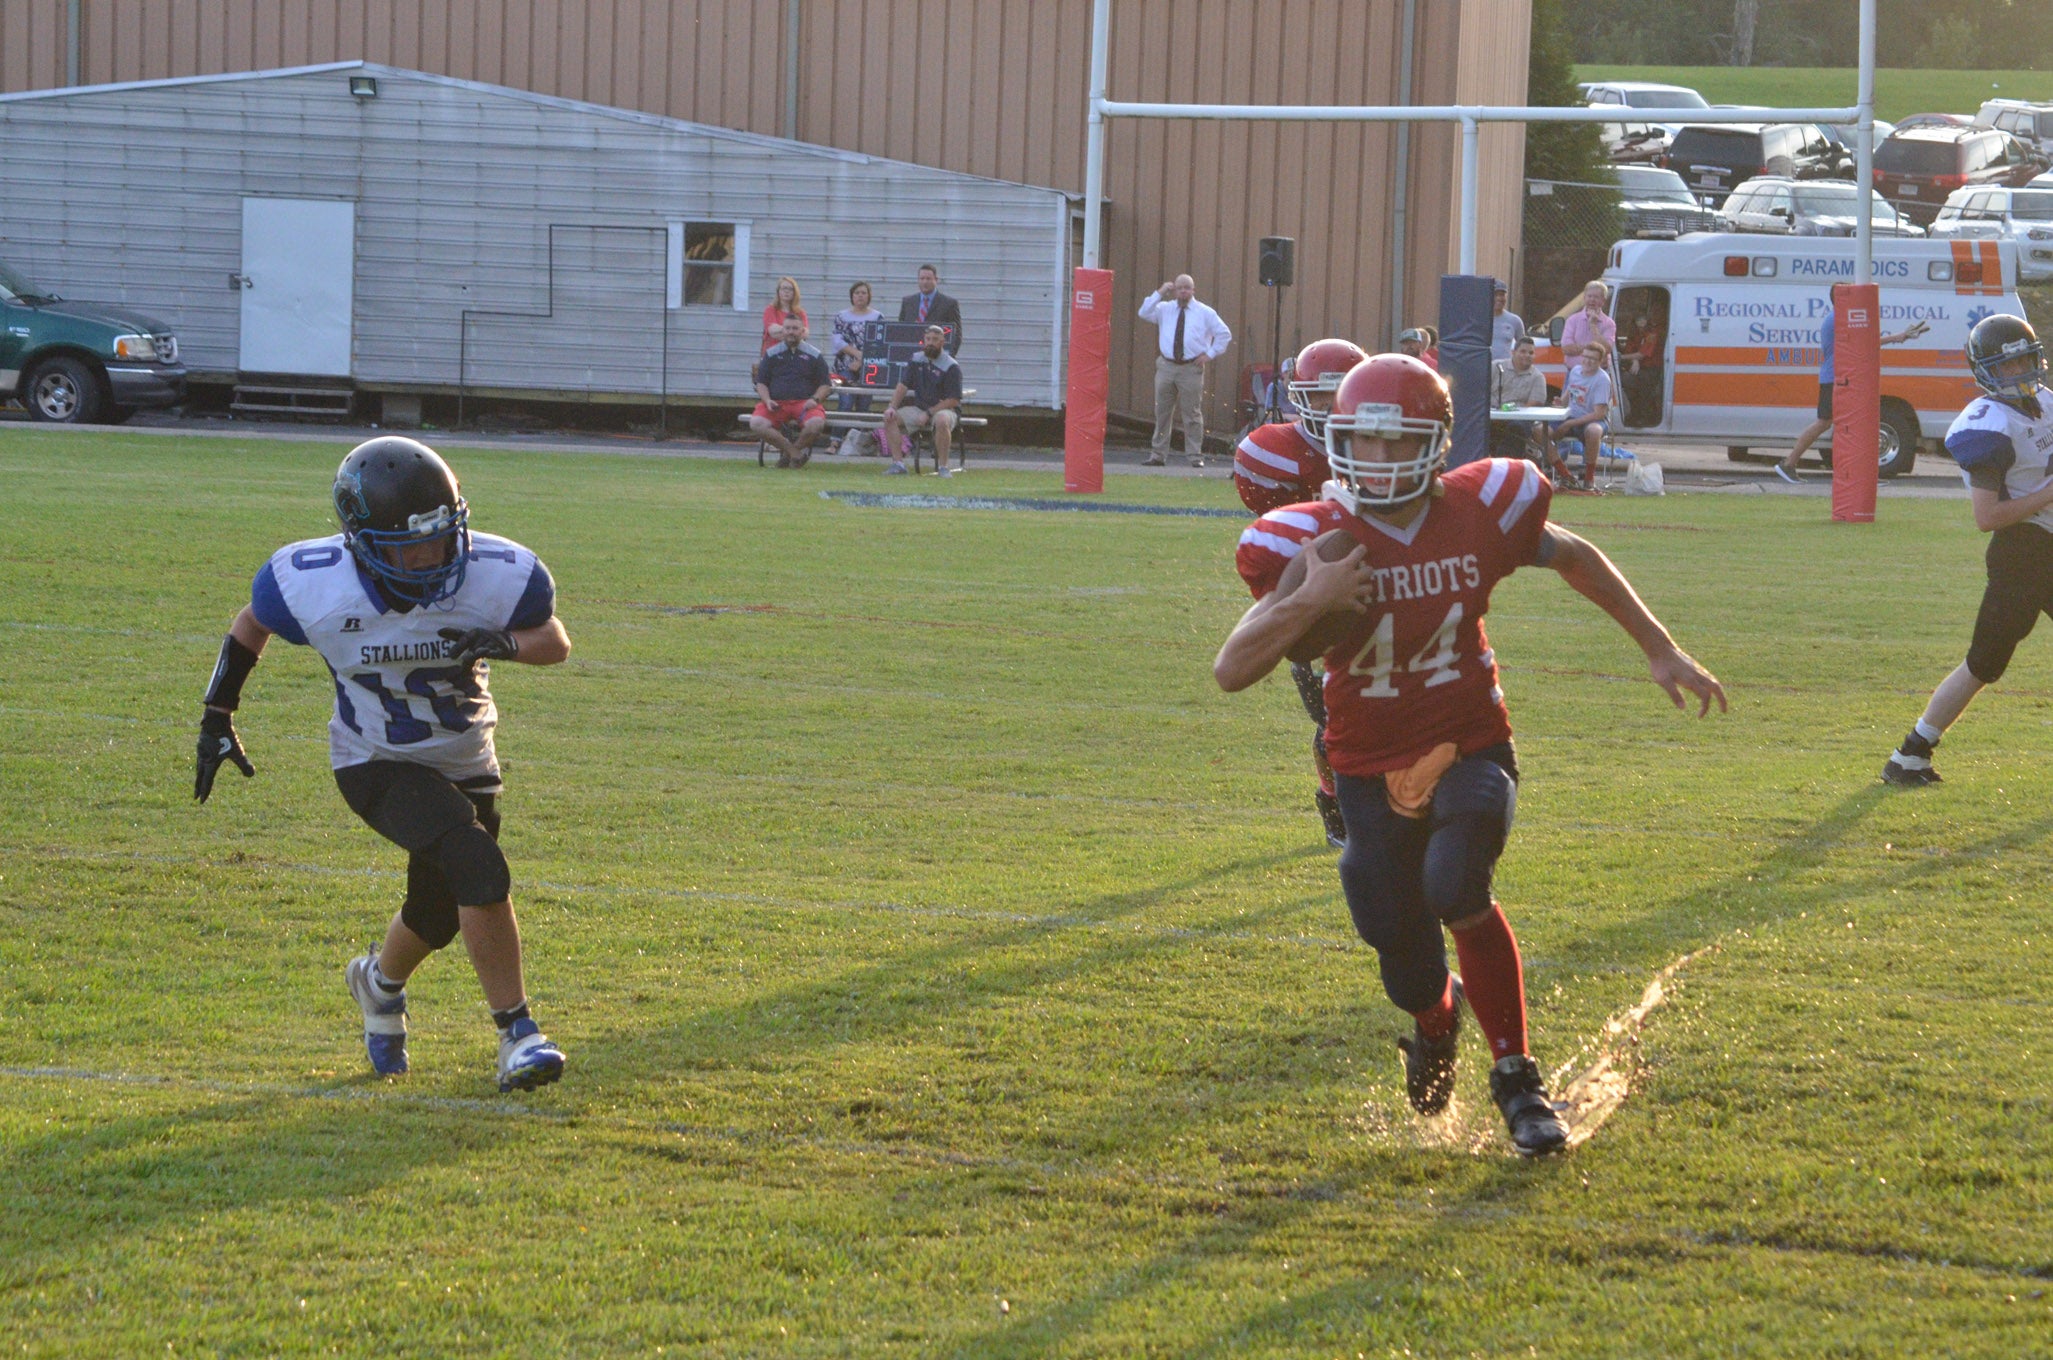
[[993, 88]]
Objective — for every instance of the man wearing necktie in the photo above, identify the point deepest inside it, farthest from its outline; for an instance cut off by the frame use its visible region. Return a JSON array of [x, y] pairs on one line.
[[932, 307], [1190, 335]]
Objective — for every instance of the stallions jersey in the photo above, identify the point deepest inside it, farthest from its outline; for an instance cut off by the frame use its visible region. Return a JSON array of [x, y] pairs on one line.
[[397, 697], [2004, 450], [1418, 669], [1278, 465]]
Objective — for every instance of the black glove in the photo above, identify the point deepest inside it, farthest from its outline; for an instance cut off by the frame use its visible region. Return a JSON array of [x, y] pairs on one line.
[[218, 742], [481, 644]]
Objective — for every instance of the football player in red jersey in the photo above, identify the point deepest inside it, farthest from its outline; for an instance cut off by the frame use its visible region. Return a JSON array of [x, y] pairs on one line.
[[1417, 731], [1284, 463]]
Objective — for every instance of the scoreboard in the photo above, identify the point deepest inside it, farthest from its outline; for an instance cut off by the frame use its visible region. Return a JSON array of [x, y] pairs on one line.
[[888, 346]]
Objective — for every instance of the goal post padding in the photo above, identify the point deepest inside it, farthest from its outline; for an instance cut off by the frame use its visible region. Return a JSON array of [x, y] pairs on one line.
[[1856, 400], [1465, 361], [1090, 381]]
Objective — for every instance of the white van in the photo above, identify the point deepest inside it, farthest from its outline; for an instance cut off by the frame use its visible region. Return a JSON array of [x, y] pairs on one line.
[[1736, 321]]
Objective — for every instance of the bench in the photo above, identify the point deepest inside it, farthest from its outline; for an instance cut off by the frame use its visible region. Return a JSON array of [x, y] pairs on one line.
[[922, 440]]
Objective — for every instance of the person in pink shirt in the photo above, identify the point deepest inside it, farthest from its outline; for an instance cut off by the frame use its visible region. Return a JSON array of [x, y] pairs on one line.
[[1591, 323], [786, 305]]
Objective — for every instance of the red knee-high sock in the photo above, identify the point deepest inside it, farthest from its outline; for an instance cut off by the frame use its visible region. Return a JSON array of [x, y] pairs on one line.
[[1494, 979], [1438, 1019]]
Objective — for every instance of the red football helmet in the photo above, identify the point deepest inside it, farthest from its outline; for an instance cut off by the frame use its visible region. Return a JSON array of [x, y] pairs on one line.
[[1319, 367], [1392, 396]]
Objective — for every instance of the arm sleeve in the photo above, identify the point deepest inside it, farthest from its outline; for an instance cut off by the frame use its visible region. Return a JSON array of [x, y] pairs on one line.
[[1223, 338], [1984, 455], [267, 603], [537, 603], [1150, 306], [951, 383]]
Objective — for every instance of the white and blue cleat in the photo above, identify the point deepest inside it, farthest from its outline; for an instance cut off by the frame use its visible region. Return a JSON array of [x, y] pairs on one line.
[[526, 1057], [384, 1017]]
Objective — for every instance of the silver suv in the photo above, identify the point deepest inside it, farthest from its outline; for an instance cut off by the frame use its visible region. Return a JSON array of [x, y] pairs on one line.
[[1777, 205], [2030, 123], [2021, 215]]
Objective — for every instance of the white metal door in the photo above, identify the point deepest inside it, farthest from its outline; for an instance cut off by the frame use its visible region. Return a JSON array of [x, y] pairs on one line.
[[297, 281]]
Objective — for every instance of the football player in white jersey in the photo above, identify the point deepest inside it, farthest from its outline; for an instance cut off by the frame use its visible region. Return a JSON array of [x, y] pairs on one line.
[[408, 608], [2003, 443]]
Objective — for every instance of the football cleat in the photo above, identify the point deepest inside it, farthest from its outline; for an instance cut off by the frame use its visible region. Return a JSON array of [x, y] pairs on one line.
[[384, 1017], [1536, 1129], [1429, 1063], [1910, 765], [526, 1057], [1329, 813]]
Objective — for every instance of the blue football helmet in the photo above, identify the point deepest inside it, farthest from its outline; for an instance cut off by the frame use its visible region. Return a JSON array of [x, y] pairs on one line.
[[2006, 357], [394, 495]]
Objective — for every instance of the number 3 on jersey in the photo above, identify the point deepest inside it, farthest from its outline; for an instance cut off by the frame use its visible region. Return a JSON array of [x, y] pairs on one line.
[[1436, 660]]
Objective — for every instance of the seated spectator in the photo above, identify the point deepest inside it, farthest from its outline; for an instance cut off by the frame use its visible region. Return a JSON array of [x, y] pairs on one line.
[[1639, 361], [848, 344], [932, 306], [1414, 342], [1516, 383], [775, 315], [933, 385], [1505, 325], [791, 382], [1587, 394]]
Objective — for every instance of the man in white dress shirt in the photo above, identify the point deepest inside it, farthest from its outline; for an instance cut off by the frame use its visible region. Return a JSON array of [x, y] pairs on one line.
[[1191, 335]]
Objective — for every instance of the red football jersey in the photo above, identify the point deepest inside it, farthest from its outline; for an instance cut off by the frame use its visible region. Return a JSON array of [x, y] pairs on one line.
[[1267, 545], [1278, 465], [1418, 670]]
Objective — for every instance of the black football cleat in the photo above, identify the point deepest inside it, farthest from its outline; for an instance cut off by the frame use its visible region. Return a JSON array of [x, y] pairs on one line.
[[1910, 765], [1429, 1063], [1536, 1129], [1329, 813]]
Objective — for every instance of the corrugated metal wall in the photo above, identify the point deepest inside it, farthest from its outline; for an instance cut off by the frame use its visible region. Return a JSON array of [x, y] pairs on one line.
[[990, 87], [519, 237]]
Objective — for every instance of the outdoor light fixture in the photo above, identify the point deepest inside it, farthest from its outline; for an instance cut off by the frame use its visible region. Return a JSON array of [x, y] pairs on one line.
[[364, 87]]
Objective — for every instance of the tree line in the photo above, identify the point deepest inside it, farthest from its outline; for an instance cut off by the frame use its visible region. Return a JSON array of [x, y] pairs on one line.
[[1917, 34]]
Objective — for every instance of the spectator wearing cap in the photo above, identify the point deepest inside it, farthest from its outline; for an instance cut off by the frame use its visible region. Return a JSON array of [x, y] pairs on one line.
[[932, 307], [1188, 336], [1505, 324], [1418, 343]]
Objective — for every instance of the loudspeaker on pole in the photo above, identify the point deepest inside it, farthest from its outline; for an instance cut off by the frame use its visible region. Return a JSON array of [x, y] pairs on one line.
[[1276, 264]]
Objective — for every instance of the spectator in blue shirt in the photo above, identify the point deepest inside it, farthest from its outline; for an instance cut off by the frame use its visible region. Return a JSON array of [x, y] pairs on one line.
[[1786, 469], [927, 397]]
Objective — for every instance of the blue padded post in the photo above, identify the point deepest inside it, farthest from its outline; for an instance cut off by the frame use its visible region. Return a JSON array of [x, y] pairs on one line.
[[1465, 361]]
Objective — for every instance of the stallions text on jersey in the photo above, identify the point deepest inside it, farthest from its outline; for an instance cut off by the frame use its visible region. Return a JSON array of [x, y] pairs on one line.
[[397, 694], [1417, 670], [1277, 465], [2004, 449]]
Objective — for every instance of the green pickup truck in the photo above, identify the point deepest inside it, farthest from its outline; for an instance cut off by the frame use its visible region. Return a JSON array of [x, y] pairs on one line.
[[74, 363]]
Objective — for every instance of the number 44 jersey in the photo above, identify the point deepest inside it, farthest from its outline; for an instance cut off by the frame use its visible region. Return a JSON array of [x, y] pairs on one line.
[[1418, 670], [398, 693]]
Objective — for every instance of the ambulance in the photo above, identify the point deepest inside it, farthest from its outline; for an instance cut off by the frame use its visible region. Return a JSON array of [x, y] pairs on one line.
[[1737, 317]]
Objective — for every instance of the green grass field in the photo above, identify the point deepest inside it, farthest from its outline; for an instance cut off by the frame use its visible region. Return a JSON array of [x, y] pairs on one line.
[[1898, 93], [948, 969]]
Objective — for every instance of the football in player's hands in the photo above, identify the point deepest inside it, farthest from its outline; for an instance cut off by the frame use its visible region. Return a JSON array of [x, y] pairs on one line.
[[1333, 627]]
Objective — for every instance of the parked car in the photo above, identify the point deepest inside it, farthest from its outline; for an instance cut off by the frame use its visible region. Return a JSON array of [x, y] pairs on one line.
[[1844, 134], [79, 362], [1919, 121], [2031, 123], [1821, 207], [1637, 141], [1916, 170], [1658, 205], [2021, 215], [1714, 158]]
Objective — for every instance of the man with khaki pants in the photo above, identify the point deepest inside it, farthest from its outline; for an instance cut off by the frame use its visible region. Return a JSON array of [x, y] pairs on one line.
[[1190, 335]]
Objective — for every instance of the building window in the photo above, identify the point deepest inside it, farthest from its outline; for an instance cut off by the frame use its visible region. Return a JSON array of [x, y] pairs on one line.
[[708, 264]]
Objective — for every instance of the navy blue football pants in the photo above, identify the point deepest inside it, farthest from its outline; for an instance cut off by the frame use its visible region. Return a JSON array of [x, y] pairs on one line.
[[1405, 876]]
